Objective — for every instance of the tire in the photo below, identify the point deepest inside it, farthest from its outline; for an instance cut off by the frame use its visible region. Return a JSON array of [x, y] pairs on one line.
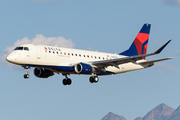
[[91, 79], [96, 79], [26, 76], [69, 81], [64, 82]]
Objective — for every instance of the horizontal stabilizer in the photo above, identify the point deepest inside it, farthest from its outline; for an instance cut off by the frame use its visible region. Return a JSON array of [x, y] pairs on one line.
[[152, 61]]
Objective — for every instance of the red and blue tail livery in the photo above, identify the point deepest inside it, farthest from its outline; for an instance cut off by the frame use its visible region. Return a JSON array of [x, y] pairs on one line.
[[140, 44]]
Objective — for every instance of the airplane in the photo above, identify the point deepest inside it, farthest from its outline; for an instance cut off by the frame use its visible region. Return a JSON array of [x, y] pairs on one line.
[[48, 60]]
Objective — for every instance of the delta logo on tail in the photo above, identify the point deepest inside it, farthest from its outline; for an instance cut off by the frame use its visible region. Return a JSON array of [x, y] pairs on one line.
[[140, 44]]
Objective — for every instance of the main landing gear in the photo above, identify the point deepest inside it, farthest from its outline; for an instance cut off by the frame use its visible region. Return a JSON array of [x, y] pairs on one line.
[[27, 71], [93, 79], [66, 81]]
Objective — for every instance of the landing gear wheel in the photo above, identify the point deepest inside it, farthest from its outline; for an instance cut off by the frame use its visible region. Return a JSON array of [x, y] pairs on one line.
[[64, 82], [96, 79], [69, 81], [93, 79], [26, 76]]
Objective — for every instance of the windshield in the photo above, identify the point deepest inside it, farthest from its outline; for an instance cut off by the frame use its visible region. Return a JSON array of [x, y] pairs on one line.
[[22, 48], [18, 48]]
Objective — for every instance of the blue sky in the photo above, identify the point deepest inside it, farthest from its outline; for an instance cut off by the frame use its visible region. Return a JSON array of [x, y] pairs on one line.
[[103, 25]]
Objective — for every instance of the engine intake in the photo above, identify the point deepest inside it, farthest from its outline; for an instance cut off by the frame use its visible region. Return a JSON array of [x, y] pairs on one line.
[[42, 73], [83, 68]]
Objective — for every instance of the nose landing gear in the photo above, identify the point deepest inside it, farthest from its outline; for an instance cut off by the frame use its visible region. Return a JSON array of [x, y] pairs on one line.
[[26, 76]]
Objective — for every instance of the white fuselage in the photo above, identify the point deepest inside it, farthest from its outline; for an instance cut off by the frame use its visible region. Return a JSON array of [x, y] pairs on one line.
[[57, 57]]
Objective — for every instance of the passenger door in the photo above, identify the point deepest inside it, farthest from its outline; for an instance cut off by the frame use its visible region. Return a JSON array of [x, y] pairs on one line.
[[39, 51]]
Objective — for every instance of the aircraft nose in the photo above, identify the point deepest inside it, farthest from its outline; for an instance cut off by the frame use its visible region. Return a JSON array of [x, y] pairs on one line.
[[10, 58]]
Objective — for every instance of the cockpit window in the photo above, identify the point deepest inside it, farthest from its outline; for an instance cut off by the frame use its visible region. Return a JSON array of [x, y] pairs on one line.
[[18, 48], [26, 48], [22, 48]]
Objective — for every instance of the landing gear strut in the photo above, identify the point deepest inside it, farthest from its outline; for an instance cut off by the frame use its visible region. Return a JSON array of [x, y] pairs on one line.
[[66, 81], [93, 79], [27, 70]]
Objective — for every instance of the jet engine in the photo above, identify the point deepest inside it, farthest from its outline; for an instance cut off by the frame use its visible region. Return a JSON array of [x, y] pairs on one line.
[[83, 68], [42, 73]]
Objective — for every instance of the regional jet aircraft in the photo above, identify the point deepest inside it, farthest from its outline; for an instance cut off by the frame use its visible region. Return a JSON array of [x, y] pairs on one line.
[[48, 60]]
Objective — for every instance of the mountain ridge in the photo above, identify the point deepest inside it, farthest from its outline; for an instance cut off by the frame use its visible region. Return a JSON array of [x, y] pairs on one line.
[[112, 116], [160, 112]]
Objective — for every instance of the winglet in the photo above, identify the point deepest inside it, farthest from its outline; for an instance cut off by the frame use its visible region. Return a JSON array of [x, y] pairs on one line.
[[161, 48]]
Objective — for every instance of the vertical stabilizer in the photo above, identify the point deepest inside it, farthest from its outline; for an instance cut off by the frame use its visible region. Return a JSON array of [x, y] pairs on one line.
[[140, 44]]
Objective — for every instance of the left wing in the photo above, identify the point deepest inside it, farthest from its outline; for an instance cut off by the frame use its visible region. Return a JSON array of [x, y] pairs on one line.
[[116, 62]]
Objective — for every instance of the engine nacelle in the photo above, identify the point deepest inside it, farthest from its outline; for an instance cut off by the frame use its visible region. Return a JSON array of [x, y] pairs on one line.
[[83, 68], [42, 73]]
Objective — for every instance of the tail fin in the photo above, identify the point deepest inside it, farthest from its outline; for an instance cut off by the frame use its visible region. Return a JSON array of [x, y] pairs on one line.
[[140, 44]]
